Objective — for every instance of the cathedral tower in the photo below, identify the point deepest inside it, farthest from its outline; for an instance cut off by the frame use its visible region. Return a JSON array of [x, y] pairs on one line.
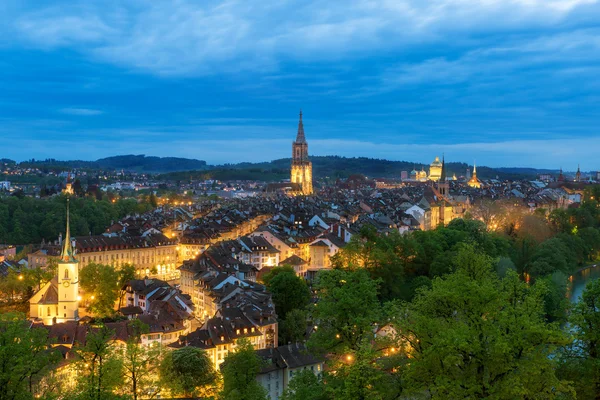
[[443, 180], [474, 182], [301, 173], [68, 280]]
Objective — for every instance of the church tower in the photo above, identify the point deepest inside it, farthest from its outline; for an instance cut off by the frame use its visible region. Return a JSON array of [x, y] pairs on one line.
[[474, 182], [301, 173], [578, 174], [68, 280], [443, 186]]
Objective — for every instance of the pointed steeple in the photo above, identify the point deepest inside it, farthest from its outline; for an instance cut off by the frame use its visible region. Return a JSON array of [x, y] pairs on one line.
[[443, 173], [474, 169], [67, 254], [300, 138]]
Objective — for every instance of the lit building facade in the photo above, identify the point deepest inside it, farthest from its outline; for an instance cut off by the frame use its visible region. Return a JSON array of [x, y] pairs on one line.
[[301, 171], [474, 182], [58, 300]]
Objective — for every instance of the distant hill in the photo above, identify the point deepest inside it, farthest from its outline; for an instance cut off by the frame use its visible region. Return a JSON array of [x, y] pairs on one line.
[[151, 164], [334, 167], [137, 163], [331, 167]]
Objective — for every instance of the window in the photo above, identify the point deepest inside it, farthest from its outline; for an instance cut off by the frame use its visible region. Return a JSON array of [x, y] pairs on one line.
[[66, 274], [49, 312]]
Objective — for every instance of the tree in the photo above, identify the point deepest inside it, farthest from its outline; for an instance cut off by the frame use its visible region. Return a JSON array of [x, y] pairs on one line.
[[239, 371], [591, 242], [474, 335], [387, 258], [126, 274], [187, 370], [346, 312], [551, 256], [24, 360], [305, 386], [581, 360], [14, 287], [289, 291], [101, 283], [139, 362], [293, 327], [100, 367]]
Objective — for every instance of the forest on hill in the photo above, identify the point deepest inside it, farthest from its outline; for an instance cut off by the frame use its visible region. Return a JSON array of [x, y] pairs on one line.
[[323, 167]]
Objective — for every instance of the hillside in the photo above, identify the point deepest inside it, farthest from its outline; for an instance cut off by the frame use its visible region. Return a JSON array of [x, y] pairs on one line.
[[331, 167]]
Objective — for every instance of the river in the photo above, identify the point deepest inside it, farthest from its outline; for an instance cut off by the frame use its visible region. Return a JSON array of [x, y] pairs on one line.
[[580, 279]]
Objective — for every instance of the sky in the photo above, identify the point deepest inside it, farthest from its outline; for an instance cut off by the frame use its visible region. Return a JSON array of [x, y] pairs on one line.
[[502, 82]]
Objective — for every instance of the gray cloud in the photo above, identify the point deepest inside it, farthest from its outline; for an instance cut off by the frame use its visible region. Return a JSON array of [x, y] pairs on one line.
[[84, 112], [195, 38]]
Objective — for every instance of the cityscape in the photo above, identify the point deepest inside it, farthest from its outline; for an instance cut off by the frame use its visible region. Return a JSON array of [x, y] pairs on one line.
[[278, 257]]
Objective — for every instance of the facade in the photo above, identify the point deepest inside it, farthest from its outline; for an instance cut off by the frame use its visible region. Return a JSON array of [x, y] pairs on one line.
[[301, 171], [281, 364], [244, 312], [435, 170], [58, 300], [166, 311], [153, 255], [474, 182]]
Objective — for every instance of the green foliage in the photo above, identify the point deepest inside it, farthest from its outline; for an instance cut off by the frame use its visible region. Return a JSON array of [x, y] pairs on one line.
[[293, 328], [100, 367], [140, 363], [477, 336], [101, 284], [289, 291], [305, 385], [24, 356], [363, 375], [581, 360], [346, 311], [30, 220], [14, 287], [239, 371], [187, 371]]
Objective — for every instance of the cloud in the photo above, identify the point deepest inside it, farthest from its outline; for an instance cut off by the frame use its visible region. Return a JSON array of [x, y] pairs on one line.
[[83, 112], [185, 38]]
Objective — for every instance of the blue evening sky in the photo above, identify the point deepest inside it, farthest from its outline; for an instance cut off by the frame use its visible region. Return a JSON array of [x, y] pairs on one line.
[[505, 82]]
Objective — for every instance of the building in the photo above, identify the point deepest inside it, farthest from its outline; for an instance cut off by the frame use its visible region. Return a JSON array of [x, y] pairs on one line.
[[58, 300], [561, 176], [578, 174], [301, 171], [243, 313], [153, 255], [435, 170], [166, 311], [474, 182], [280, 364], [68, 190], [404, 175]]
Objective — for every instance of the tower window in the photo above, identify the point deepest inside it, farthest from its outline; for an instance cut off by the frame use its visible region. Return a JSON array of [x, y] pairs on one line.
[[66, 274]]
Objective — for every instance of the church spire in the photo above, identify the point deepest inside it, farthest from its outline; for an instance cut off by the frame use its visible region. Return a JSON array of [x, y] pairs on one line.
[[443, 173], [67, 254], [474, 169], [300, 138]]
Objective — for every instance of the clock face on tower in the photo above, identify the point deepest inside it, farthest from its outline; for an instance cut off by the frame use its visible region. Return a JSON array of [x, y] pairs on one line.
[[66, 283]]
